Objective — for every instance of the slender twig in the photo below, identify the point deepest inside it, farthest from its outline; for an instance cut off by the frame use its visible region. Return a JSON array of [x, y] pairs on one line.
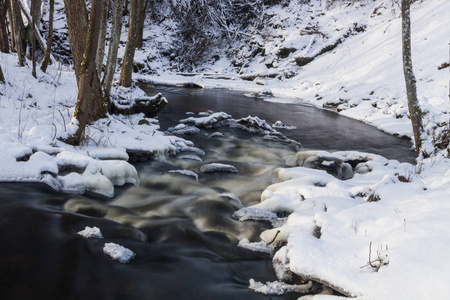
[[274, 238]]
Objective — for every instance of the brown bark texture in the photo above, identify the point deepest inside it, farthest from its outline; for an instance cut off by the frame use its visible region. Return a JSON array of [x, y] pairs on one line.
[[19, 31], [77, 22], [90, 103], [140, 37], [4, 43], [415, 112], [128, 58]]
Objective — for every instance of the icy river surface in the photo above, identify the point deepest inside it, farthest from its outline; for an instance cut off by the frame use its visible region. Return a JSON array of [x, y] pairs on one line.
[[178, 222]]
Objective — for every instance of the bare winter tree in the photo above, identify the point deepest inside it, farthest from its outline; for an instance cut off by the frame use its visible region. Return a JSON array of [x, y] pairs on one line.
[[4, 43], [102, 40], [140, 37], [34, 7], [415, 112], [90, 102], [49, 37], [2, 77], [128, 57], [18, 29], [113, 46]]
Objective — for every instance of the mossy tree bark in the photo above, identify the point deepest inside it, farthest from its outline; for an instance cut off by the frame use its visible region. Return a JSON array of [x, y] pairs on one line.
[[113, 46], [415, 112], [49, 37], [128, 58]]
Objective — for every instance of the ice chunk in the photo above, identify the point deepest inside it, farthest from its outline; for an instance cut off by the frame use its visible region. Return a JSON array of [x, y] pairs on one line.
[[118, 252], [91, 232]]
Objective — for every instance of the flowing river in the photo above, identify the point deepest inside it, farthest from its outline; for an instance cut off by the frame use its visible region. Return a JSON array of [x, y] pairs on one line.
[[179, 223]]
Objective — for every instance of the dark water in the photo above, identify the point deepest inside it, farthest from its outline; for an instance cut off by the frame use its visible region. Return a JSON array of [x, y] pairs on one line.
[[316, 129], [180, 227]]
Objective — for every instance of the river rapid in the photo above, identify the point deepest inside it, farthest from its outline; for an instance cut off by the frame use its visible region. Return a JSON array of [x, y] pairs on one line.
[[178, 223]]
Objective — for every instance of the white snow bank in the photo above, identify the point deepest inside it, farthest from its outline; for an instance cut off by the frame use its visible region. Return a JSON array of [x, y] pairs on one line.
[[333, 223], [118, 252]]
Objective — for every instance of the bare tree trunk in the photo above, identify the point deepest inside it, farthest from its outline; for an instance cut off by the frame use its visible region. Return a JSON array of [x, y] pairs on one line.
[[140, 36], [34, 20], [128, 57], [101, 41], [49, 37], [18, 29], [90, 103], [4, 43], [2, 77], [415, 112], [113, 46], [11, 27], [33, 36], [77, 22], [125, 9]]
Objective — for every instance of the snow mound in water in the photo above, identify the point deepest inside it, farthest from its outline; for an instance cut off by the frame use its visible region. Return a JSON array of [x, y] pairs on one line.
[[254, 213], [186, 173], [91, 232], [213, 120], [216, 167], [257, 246], [277, 287], [118, 252]]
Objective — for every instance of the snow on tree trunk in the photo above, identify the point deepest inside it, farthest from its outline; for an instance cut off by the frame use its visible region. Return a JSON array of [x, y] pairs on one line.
[[113, 46], [413, 103], [49, 37], [128, 58]]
